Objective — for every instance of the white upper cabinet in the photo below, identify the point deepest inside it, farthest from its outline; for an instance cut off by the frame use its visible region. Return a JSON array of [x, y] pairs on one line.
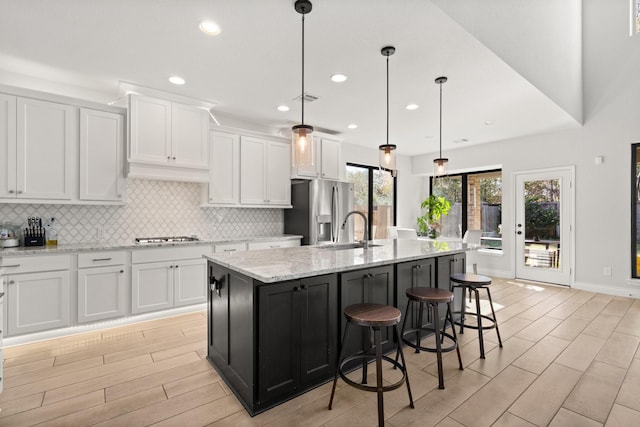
[[264, 172], [224, 174], [101, 158], [7, 146], [168, 134], [45, 155], [327, 161]]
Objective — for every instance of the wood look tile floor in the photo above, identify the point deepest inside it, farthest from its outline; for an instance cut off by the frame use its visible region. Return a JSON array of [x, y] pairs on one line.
[[570, 358]]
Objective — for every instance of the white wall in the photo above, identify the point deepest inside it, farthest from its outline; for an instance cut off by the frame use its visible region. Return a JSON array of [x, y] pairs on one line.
[[611, 72]]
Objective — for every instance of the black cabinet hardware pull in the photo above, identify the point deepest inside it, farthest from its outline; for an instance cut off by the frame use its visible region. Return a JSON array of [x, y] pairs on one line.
[[102, 259]]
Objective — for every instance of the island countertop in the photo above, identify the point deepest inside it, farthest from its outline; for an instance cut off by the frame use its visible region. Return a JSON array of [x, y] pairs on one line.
[[280, 264]]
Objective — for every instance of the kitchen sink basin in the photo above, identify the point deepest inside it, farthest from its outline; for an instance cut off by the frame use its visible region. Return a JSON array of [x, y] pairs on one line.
[[342, 246]]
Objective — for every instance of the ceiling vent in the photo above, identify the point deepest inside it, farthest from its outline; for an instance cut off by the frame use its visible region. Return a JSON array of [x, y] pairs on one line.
[[307, 97]]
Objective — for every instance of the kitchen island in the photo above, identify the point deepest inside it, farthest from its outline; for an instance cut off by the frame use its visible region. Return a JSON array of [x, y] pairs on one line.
[[274, 317]]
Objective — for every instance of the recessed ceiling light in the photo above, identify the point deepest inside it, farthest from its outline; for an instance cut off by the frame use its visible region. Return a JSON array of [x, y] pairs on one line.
[[210, 28], [338, 78], [412, 107], [176, 80], [489, 122], [353, 126], [283, 108]]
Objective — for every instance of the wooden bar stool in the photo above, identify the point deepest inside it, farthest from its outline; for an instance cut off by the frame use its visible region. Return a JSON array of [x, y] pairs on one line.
[[473, 282], [432, 297], [374, 316]]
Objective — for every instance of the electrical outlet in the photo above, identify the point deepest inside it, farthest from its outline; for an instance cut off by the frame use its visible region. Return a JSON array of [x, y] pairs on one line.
[[99, 233], [606, 271]]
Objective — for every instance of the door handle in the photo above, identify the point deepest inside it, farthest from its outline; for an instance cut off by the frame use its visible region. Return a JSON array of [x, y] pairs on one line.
[[519, 232]]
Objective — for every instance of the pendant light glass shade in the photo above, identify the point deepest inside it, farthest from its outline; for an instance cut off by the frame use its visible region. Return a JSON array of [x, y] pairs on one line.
[[302, 145], [440, 164], [387, 151], [302, 135]]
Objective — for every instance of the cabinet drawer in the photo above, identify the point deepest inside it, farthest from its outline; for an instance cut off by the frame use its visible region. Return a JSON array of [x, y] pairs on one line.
[[274, 244], [31, 264], [230, 247], [168, 254], [100, 259]]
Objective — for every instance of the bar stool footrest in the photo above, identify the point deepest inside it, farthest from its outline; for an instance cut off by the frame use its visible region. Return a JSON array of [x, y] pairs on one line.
[[412, 344], [367, 358], [461, 322]]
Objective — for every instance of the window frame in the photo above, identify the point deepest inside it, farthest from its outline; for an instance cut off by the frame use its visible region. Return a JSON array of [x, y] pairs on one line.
[[465, 199], [634, 210], [370, 170]]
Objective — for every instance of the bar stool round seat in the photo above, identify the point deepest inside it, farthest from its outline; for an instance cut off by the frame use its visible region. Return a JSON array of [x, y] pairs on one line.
[[431, 297], [474, 282], [374, 316]]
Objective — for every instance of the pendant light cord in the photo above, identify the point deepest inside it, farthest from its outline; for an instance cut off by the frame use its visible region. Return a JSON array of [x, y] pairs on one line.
[[441, 120], [387, 99], [302, 99]]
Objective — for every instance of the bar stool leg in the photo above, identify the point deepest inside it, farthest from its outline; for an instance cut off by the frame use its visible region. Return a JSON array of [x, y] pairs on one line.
[[378, 344], [404, 365], [365, 362], [419, 331], [404, 323], [453, 330], [495, 321], [436, 328], [463, 309], [479, 316], [335, 378]]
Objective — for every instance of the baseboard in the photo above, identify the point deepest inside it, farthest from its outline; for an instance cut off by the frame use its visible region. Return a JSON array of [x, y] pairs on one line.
[[617, 290]]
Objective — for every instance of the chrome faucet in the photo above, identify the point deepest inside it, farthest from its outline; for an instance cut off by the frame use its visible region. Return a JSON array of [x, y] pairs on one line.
[[365, 242]]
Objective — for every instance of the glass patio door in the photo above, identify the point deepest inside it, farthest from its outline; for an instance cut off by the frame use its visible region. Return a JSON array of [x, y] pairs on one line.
[[544, 216]]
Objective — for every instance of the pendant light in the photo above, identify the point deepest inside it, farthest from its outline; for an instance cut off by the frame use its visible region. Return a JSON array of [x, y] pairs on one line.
[[387, 154], [440, 164], [302, 137]]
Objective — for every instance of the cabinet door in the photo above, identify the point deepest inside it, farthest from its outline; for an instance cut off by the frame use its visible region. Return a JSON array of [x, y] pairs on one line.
[[189, 136], [149, 130], [46, 164], [278, 182], [252, 171], [190, 285], [101, 293], [279, 341], [448, 265], [319, 339], [151, 286], [37, 301], [101, 171], [7, 146], [224, 173], [331, 159], [413, 274]]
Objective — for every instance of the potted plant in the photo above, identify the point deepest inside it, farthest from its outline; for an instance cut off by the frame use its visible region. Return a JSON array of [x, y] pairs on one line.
[[436, 206]]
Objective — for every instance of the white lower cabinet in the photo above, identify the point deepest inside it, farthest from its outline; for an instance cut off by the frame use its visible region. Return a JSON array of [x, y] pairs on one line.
[[101, 293], [37, 301], [165, 278]]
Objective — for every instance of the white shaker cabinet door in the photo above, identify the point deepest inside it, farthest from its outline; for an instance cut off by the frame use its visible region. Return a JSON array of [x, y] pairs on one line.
[[150, 130], [190, 282], [46, 165], [253, 171], [331, 159], [224, 174], [37, 301], [101, 293], [277, 178], [189, 136], [151, 286], [101, 145], [7, 146]]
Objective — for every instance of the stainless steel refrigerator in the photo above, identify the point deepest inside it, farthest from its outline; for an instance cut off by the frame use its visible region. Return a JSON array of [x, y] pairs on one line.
[[319, 208]]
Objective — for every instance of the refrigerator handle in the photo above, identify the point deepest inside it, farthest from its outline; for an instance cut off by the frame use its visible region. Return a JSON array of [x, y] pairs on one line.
[[334, 214]]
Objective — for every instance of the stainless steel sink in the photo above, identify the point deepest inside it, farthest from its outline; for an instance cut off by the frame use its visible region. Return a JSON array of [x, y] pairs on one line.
[[342, 246]]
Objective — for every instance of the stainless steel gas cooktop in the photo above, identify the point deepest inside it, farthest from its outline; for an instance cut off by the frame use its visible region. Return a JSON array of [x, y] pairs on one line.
[[173, 239]]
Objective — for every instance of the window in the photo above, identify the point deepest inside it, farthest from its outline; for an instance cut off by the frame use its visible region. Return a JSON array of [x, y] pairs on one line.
[[635, 210], [374, 194], [476, 204]]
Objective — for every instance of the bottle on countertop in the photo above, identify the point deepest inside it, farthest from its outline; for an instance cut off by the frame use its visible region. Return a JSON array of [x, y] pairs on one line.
[[52, 233]]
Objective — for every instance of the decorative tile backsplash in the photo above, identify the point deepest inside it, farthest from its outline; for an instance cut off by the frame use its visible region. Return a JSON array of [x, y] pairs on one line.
[[154, 208]]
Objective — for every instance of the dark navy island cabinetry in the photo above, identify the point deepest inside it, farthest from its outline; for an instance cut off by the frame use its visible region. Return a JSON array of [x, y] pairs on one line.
[[275, 316]]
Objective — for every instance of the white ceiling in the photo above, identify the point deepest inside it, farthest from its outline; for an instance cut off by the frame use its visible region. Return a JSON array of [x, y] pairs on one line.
[[254, 64]]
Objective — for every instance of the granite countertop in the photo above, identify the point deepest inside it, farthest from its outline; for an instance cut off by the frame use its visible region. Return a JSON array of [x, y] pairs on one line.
[[107, 246], [275, 265]]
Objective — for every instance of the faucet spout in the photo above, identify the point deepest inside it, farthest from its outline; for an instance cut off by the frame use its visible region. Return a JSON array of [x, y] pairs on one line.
[[365, 242]]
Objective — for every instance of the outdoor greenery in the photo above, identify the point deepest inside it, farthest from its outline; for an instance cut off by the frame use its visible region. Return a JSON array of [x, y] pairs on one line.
[[382, 186], [435, 206], [541, 209]]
